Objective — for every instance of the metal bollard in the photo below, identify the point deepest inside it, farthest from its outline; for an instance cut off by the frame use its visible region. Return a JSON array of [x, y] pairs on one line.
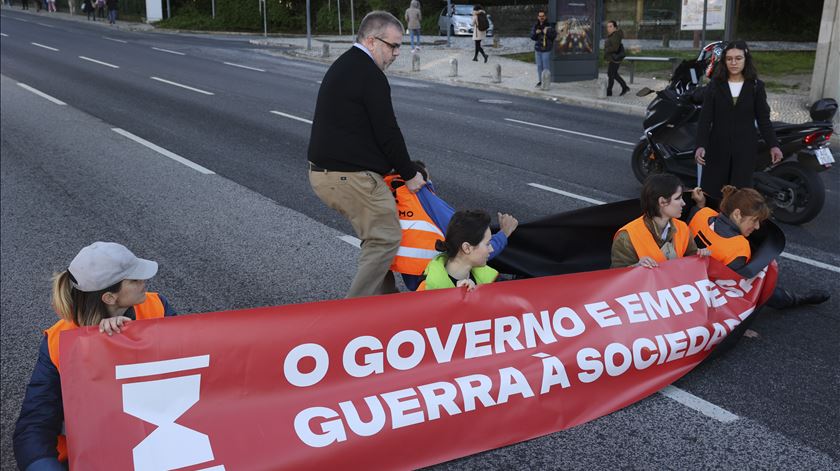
[[545, 80], [497, 73], [453, 67], [415, 62], [325, 51], [495, 41]]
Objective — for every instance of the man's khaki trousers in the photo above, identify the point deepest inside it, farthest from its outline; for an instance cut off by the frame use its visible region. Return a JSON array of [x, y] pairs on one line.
[[365, 200]]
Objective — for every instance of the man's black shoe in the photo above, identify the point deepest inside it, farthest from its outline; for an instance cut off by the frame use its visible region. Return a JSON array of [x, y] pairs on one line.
[[624, 90], [539, 84], [816, 296]]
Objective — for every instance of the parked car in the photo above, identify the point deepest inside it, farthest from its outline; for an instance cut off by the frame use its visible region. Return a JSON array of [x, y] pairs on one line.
[[460, 23]]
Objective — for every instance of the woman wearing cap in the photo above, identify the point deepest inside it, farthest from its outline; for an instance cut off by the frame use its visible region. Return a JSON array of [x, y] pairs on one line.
[[658, 234], [466, 250], [727, 142], [105, 286]]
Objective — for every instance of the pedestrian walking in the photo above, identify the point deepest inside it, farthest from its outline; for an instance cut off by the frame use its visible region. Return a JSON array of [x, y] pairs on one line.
[[733, 102], [100, 9], [614, 53], [543, 34], [88, 8], [104, 286], [71, 5], [112, 10], [413, 16], [356, 140], [51, 6], [24, 4], [480, 25]]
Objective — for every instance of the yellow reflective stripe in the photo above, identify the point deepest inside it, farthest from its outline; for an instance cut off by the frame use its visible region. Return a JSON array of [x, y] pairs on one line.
[[416, 225], [417, 253]]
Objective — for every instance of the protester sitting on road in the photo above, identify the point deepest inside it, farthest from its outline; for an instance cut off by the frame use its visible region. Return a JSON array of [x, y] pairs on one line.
[[658, 234], [105, 286], [465, 253], [424, 218], [725, 234]]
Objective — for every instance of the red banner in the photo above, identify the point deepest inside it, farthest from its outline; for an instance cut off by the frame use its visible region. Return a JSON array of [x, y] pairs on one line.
[[399, 381]]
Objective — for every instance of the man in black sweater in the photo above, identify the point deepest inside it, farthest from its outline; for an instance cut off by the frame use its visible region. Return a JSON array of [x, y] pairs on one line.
[[355, 141]]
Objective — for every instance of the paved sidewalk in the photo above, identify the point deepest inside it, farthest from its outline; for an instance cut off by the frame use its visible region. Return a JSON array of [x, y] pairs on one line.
[[519, 77]]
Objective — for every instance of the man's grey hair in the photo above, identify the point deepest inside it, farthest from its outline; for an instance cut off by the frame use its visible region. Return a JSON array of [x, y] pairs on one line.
[[376, 23]]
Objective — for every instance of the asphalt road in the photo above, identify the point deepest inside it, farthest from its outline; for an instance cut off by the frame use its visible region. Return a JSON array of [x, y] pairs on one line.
[[68, 179]]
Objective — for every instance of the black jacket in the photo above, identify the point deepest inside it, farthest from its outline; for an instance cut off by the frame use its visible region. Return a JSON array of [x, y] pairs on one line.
[[543, 42], [727, 132], [354, 128]]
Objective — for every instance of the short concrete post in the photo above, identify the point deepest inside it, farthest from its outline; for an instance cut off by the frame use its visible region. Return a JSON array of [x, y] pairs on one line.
[[495, 41], [497, 73], [602, 87], [325, 50], [545, 80], [453, 67], [415, 62]]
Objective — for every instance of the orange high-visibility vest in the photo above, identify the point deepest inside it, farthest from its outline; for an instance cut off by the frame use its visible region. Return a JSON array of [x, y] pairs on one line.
[[151, 308], [645, 245], [419, 232], [724, 249]]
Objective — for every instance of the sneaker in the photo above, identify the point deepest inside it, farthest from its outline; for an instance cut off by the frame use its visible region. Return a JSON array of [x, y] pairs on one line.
[[624, 90], [539, 84]]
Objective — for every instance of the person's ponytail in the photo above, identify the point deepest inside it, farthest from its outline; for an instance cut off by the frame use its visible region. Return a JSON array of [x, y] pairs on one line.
[[62, 296]]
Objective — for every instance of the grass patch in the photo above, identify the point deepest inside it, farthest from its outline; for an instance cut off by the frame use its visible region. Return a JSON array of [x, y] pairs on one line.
[[768, 63]]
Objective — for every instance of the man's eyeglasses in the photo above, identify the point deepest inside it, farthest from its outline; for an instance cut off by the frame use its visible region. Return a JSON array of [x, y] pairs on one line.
[[392, 45]]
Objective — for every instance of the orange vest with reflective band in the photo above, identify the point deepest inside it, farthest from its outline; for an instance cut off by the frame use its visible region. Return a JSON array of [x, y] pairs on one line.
[[646, 246], [724, 249], [151, 308], [419, 232]]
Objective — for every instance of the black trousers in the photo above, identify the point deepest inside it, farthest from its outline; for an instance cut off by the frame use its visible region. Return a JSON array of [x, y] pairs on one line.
[[612, 75], [478, 49]]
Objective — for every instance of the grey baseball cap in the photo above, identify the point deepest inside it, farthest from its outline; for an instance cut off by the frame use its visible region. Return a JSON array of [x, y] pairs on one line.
[[104, 264]]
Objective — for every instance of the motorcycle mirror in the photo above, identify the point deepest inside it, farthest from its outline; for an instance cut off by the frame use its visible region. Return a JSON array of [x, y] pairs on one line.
[[644, 92]]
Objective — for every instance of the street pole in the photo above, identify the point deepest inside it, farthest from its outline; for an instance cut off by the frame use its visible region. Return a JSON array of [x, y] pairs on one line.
[[308, 27], [168, 11], [265, 18], [338, 7], [449, 26], [352, 20], [729, 27], [213, 7], [705, 11]]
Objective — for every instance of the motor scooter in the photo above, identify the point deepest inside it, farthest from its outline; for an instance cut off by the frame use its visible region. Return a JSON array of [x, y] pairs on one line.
[[792, 187]]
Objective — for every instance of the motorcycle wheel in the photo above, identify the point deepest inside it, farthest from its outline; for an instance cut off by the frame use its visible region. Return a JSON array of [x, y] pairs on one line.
[[645, 162], [808, 194]]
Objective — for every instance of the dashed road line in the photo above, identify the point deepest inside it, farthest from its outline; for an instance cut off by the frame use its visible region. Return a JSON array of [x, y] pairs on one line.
[[4, 35], [243, 66], [169, 51], [187, 87], [163, 152], [41, 94], [813, 263], [290, 116], [700, 405], [576, 133], [45, 25], [99, 62], [115, 40], [566, 193], [45, 47]]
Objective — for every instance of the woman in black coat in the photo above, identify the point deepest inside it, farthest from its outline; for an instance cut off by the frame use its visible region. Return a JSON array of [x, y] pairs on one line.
[[733, 102]]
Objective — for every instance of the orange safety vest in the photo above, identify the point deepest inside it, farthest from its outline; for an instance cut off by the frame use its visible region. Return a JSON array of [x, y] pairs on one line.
[[419, 231], [151, 308], [724, 249], [645, 245]]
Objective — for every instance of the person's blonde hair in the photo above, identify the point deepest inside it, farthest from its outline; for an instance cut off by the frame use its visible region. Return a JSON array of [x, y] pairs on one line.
[[747, 200], [79, 307]]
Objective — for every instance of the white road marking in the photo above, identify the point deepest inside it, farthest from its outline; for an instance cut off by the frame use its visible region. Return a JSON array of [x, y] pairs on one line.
[[44, 24], [115, 40], [566, 193], [170, 52], [243, 66], [45, 47], [355, 242], [99, 62], [41, 94], [4, 35], [162, 151], [20, 19], [576, 133], [197, 90], [693, 402], [813, 263], [297, 118]]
